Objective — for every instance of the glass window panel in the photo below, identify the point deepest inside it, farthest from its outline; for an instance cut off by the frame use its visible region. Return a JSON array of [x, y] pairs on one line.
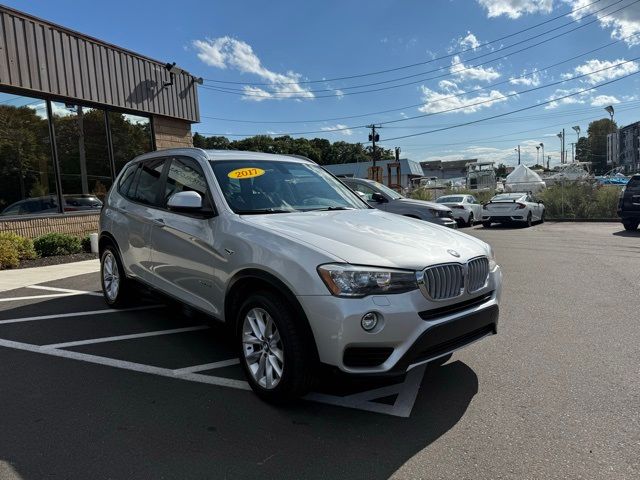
[[130, 137], [27, 179], [81, 141], [184, 175], [146, 189]]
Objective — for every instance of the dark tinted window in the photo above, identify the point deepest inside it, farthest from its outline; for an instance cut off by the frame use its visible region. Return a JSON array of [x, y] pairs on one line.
[[145, 189], [634, 184], [185, 175]]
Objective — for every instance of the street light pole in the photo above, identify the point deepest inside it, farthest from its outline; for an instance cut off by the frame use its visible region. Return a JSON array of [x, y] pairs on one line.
[[611, 112], [542, 146], [577, 130], [517, 150], [537, 154]]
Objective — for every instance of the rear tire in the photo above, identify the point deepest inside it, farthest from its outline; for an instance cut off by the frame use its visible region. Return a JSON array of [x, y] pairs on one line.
[[117, 289], [274, 349], [529, 220], [630, 225], [471, 220], [542, 216]]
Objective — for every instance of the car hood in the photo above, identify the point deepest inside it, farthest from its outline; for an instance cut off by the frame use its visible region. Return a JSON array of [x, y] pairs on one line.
[[373, 237]]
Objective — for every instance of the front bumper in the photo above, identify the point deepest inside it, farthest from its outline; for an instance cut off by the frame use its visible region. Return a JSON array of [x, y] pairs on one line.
[[412, 329], [444, 221]]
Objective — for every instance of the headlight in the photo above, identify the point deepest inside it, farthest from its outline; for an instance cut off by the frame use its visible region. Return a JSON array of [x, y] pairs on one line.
[[358, 281], [492, 260]]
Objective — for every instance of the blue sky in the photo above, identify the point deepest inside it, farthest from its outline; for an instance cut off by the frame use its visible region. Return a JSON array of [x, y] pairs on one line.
[[274, 48]]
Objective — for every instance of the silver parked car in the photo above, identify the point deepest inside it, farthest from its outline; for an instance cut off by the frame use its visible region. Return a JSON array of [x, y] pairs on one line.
[[382, 197], [466, 209], [302, 269]]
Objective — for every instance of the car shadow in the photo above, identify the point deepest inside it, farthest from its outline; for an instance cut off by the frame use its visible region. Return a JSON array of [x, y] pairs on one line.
[[96, 421], [627, 233]]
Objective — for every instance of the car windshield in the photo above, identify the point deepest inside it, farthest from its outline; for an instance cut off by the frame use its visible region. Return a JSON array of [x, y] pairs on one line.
[[259, 186], [507, 197], [449, 200], [387, 191]]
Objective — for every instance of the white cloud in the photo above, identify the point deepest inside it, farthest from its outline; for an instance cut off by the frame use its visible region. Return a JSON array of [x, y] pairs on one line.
[[435, 101], [469, 41], [562, 92], [528, 80], [516, 8], [226, 52], [338, 128], [610, 73], [622, 24], [604, 100], [507, 155], [462, 72]]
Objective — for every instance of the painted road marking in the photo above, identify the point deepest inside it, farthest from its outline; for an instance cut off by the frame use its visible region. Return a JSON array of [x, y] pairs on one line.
[[77, 314], [207, 366], [65, 290], [123, 364], [117, 338]]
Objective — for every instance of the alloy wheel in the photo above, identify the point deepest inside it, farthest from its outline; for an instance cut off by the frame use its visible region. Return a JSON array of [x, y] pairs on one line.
[[110, 276], [262, 348]]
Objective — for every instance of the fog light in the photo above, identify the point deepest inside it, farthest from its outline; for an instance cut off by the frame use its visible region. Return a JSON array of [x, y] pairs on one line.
[[369, 321]]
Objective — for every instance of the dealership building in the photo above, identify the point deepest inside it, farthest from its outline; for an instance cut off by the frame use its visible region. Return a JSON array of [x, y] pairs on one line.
[[73, 111]]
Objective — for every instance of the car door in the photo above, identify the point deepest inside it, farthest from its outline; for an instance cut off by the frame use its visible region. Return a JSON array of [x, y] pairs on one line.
[[182, 258], [476, 207], [138, 188]]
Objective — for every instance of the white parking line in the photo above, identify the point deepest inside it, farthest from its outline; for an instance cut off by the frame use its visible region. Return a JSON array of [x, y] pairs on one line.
[[207, 366], [117, 338], [64, 290], [78, 314], [136, 367], [36, 297]]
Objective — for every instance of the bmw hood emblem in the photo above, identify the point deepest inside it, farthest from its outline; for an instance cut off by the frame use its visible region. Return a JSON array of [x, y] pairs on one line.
[[454, 253]]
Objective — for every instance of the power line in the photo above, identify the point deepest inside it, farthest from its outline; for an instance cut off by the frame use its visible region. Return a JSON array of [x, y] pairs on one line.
[[465, 106], [486, 87], [289, 94], [403, 67], [472, 122]]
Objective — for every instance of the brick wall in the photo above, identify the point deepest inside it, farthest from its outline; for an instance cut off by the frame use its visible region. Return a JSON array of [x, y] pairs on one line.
[[79, 225], [172, 133]]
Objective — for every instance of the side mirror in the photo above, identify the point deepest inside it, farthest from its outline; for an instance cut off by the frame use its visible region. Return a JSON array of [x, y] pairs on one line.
[[185, 201], [540, 202], [378, 197]]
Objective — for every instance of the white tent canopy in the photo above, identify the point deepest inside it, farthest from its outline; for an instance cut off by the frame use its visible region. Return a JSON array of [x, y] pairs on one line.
[[523, 179]]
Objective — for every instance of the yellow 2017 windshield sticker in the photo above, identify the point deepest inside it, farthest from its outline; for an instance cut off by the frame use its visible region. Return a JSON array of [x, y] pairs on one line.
[[243, 173]]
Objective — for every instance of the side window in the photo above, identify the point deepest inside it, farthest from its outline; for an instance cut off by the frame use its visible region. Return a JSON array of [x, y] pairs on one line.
[[126, 180], [145, 189], [186, 175], [368, 191], [634, 185], [473, 200]]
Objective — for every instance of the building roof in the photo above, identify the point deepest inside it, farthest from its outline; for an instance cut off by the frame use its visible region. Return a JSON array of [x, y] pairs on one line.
[[360, 169], [449, 165]]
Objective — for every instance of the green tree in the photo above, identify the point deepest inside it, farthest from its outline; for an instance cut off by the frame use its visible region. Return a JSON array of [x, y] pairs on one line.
[[501, 170], [582, 150], [597, 136]]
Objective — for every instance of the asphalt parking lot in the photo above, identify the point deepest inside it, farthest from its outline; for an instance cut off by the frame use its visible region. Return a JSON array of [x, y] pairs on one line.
[[155, 392]]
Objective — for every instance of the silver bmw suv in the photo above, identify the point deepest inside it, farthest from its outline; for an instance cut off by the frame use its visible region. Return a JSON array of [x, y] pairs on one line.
[[300, 267]]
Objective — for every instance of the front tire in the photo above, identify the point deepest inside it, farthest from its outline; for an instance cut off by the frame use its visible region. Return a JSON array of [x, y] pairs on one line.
[[274, 349], [630, 225], [486, 224], [116, 287]]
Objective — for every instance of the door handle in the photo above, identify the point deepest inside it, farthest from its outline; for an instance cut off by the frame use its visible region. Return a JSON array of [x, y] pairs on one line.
[[158, 221]]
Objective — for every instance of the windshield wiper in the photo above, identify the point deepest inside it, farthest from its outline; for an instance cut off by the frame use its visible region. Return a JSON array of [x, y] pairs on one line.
[[324, 209], [260, 211]]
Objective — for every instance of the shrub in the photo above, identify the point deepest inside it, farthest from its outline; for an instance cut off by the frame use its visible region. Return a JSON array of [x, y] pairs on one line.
[[580, 201], [431, 195], [9, 255], [23, 245], [52, 244], [86, 244]]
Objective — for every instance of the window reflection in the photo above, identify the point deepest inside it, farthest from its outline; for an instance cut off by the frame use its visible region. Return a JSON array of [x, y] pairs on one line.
[[27, 180], [130, 137]]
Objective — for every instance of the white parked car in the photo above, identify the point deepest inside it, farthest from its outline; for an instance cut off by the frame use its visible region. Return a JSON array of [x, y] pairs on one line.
[[466, 209], [511, 208]]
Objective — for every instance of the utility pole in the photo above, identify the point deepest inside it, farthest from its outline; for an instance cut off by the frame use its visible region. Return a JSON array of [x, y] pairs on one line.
[[374, 171], [518, 150], [373, 138]]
